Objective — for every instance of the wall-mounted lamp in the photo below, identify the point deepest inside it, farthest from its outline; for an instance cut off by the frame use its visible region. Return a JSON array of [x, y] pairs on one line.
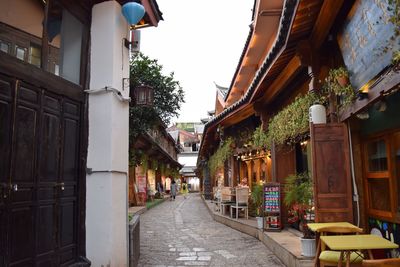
[[364, 115], [133, 13], [361, 95], [381, 105], [144, 95]]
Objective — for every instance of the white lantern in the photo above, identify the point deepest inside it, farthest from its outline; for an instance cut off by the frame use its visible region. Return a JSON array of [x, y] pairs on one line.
[[317, 114]]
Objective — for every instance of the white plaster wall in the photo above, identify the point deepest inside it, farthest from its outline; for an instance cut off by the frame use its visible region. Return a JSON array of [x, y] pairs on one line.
[[106, 194], [187, 160]]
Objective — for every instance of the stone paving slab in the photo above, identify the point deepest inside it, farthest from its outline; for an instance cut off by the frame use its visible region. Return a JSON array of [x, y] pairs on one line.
[[182, 233]]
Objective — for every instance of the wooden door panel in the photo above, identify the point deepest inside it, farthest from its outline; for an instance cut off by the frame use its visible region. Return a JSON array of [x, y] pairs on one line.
[[331, 173], [39, 142], [68, 196], [48, 182], [46, 239], [25, 126], [70, 162], [21, 236], [5, 156], [50, 149], [330, 167]]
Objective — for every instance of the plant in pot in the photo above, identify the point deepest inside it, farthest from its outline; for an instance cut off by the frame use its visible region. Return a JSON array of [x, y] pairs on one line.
[[341, 75], [299, 199], [337, 83], [257, 199]]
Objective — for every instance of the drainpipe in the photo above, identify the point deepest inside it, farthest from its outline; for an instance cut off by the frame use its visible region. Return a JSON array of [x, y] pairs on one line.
[[353, 178]]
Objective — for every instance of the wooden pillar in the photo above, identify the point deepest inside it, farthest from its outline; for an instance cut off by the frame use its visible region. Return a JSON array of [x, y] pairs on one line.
[[257, 166], [249, 173]]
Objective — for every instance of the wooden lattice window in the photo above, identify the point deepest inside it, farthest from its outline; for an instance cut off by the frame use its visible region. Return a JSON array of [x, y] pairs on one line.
[[381, 176]]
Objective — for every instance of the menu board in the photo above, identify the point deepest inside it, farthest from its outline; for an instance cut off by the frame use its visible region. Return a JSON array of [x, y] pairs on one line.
[[272, 206], [272, 198]]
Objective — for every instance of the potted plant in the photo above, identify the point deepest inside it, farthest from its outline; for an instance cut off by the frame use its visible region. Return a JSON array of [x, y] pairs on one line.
[[337, 83], [257, 199], [341, 75], [299, 198]]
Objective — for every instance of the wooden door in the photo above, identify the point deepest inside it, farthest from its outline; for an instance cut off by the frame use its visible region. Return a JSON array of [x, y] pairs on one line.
[[39, 177], [6, 111], [331, 173]]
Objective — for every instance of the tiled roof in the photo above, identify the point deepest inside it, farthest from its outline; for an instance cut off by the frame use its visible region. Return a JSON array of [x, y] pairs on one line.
[[288, 15]]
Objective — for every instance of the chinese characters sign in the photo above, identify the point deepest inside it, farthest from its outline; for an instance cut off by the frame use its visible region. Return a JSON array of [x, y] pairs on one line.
[[367, 40]]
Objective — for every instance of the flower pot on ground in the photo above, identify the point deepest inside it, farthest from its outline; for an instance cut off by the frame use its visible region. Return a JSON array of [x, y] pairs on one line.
[[257, 199], [299, 199], [307, 247], [259, 222]]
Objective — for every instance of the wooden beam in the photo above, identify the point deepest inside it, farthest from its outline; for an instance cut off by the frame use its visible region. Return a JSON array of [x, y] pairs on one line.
[[325, 20], [282, 80]]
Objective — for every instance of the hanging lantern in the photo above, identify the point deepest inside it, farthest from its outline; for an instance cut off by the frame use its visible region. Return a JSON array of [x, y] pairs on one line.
[[133, 12], [144, 95]]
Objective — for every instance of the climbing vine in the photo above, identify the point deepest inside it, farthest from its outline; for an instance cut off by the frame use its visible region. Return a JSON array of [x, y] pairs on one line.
[[220, 156]]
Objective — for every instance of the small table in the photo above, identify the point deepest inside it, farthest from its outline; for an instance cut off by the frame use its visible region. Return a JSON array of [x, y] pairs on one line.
[[227, 203], [348, 243], [315, 228]]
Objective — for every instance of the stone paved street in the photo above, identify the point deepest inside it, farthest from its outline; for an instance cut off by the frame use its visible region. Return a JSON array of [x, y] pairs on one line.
[[182, 233]]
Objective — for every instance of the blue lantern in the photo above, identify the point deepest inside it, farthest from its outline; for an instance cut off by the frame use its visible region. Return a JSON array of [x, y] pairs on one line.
[[133, 12]]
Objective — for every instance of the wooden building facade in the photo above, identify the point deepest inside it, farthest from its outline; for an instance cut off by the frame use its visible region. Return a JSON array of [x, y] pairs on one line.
[[353, 158], [44, 73]]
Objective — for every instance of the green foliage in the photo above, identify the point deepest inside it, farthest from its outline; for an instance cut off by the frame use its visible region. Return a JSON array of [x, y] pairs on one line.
[[396, 57], [394, 8], [168, 94], [154, 164], [257, 198], [293, 120], [220, 156], [144, 161], [168, 98], [299, 199], [339, 72], [298, 189], [261, 139], [345, 93]]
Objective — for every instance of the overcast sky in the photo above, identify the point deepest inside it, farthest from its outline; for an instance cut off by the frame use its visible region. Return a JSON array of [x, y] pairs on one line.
[[201, 41]]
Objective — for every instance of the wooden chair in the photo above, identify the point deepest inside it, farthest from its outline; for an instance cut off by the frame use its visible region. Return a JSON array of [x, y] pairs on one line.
[[330, 257], [217, 197], [242, 201], [381, 263], [226, 198]]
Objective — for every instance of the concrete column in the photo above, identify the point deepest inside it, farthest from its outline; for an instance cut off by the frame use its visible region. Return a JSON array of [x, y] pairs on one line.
[[107, 183]]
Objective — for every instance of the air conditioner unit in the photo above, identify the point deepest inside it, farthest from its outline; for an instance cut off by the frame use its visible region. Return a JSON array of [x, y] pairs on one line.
[[135, 38]]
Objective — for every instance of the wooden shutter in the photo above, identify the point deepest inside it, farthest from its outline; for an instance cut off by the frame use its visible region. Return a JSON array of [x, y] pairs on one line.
[[331, 172]]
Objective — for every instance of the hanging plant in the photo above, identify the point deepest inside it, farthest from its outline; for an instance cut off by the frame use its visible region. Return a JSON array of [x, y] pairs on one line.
[[292, 121], [394, 7], [335, 83], [162, 168], [145, 162], [261, 139], [220, 156], [154, 164]]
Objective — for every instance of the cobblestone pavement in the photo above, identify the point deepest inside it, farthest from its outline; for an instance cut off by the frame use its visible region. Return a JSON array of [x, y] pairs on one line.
[[182, 233]]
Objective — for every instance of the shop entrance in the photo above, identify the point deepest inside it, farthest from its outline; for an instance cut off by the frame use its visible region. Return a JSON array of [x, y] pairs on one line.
[[39, 170]]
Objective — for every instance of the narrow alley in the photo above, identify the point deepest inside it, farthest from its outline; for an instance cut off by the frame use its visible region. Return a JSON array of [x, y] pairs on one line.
[[182, 233]]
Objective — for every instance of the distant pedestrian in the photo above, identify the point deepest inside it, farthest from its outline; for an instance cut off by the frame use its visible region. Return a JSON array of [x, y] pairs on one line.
[[184, 189], [173, 189]]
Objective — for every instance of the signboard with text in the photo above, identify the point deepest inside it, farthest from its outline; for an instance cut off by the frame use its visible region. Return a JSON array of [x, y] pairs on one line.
[[272, 206]]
